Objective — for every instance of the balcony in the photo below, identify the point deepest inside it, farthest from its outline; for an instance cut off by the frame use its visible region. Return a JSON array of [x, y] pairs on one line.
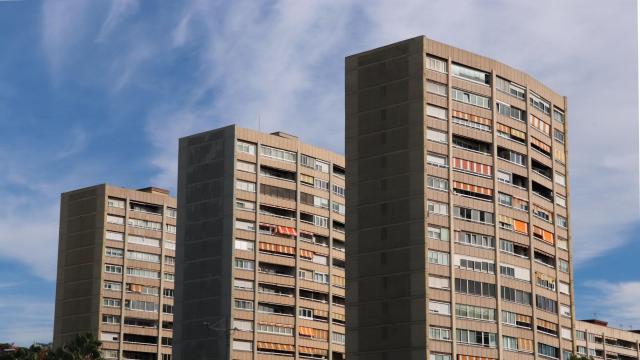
[[145, 208], [542, 191], [276, 173], [469, 144], [275, 269]]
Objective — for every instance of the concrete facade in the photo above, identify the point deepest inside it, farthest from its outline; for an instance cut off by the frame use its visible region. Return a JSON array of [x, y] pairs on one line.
[[260, 268], [116, 259], [458, 237], [594, 338]]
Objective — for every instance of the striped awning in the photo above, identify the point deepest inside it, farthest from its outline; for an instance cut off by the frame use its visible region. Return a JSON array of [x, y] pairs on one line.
[[312, 351], [285, 230], [277, 248], [470, 117], [306, 254], [539, 124], [472, 188], [321, 313], [305, 331], [523, 318], [540, 144], [340, 317], [471, 357], [275, 346], [472, 166], [503, 128], [548, 324]]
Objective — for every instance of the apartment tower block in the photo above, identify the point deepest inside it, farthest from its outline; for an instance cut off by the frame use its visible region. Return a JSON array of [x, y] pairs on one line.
[[116, 259], [260, 270], [458, 238]]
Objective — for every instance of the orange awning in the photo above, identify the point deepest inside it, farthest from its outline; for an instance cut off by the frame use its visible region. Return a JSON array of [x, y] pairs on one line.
[[305, 331], [470, 117], [306, 254], [285, 230], [277, 248], [472, 188], [275, 346], [521, 226], [312, 351], [540, 144]]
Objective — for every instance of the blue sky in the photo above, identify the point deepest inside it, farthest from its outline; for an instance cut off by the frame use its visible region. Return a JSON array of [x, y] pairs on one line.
[[99, 91]]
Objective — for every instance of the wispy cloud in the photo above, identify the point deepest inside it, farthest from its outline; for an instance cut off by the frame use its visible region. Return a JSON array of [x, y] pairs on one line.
[[120, 10], [615, 302]]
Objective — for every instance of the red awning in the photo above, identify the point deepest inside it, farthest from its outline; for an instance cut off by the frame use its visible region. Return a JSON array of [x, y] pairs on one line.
[[285, 230]]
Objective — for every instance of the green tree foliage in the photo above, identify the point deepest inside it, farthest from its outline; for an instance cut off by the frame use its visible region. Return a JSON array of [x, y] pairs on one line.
[[82, 347]]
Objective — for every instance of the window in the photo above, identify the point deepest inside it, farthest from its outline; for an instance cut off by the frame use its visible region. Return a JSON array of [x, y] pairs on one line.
[[438, 257], [504, 177], [113, 252], [515, 295], [439, 208], [338, 338], [274, 329], [244, 264], [245, 205], [560, 179], [558, 115], [473, 337], [338, 208], [511, 111], [115, 236], [321, 184], [565, 310], [278, 154], [169, 293], [436, 356], [472, 287], [246, 186], [565, 333], [437, 160], [561, 200], [472, 121], [150, 274], [561, 221], [564, 288], [169, 276], [246, 166], [515, 272], [514, 248], [484, 241], [470, 98], [110, 302], [338, 190], [278, 192], [138, 305], [511, 318], [539, 103], [111, 354], [144, 224], [470, 74], [113, 269], [473, 215], [241, 345], [118, 220], [246, 147], [475, 312], [437, 88], [512, 156], [563, 265], [546, 304], [438, 233], [474, 264], [439, 282], [510, 88], [469, 144], [436, 64], [305, 313], [558, 135], [172, 213], [107, 336], [437, 112], [441, 308], [245, 225], [243, 284], [306, 179], [322, 166], [133, 239], [142, 256], [111, 319], [548, 350], [581, 335], [115, 203], [437, 136], [171, 229], [243, 304], [439, 333]]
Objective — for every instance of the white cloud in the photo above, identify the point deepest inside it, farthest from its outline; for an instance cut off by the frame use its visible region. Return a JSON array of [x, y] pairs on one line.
[[608, 300], [120, 10]]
